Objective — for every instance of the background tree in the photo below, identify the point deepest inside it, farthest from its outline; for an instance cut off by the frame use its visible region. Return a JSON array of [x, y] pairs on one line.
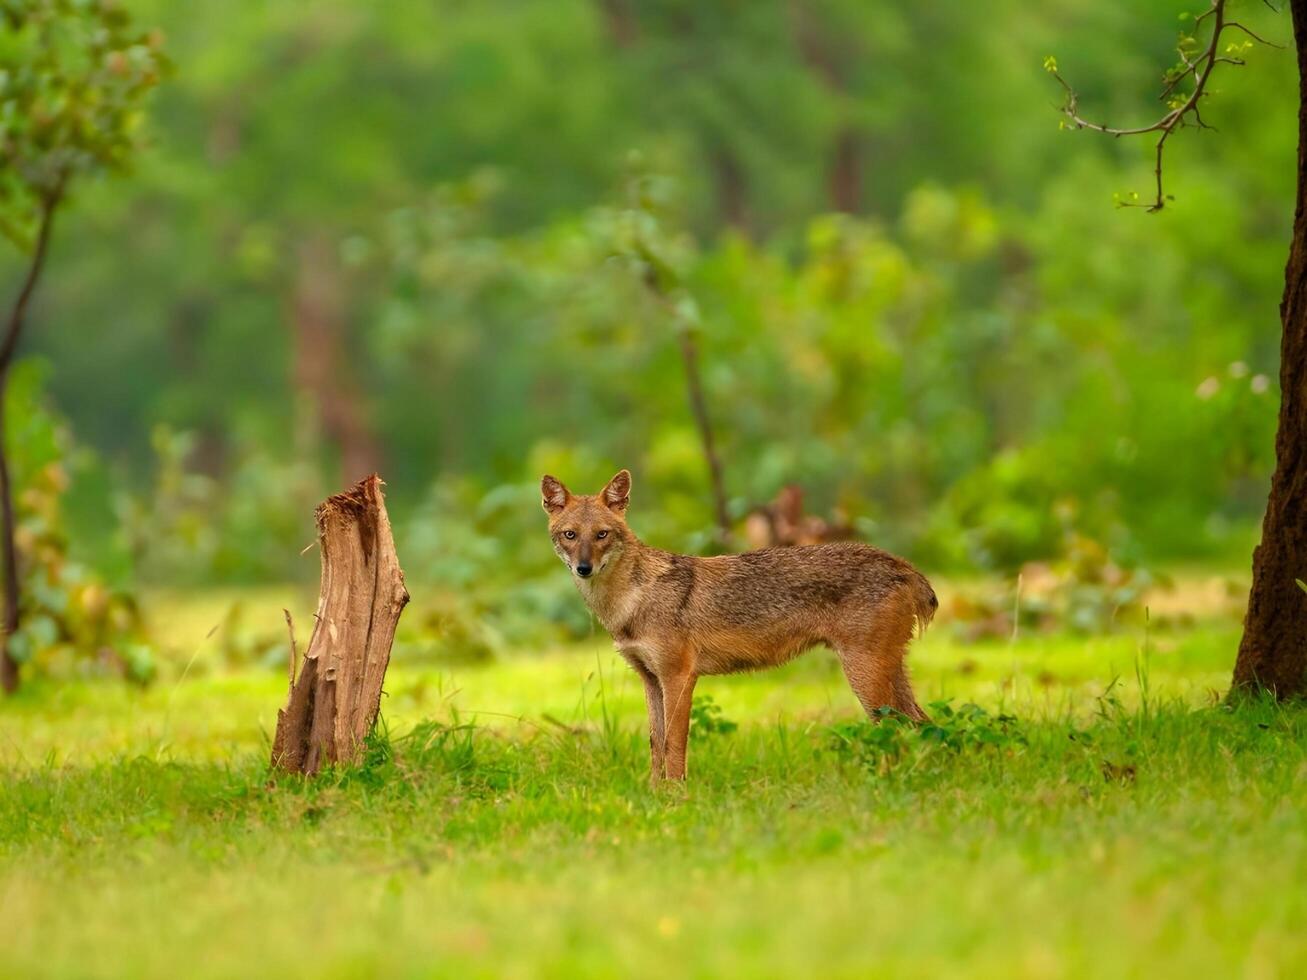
[[1273, 650], [962, 364], [73, 76]]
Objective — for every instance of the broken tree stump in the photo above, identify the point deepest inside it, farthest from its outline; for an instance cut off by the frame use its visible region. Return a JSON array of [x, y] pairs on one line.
[[334, 701]]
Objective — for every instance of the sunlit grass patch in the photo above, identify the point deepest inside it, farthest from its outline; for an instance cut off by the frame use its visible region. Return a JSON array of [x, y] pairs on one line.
[[1003, 846], [1077, 806]]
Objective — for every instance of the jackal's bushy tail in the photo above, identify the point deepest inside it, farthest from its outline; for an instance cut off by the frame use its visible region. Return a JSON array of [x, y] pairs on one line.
[[924, 602]]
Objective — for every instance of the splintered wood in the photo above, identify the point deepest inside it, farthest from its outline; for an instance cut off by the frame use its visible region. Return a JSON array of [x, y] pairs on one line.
[[334, 701]]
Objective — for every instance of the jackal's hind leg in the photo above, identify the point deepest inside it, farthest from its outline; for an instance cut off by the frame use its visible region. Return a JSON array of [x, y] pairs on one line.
[[871, 679], [904, 700], [873, 662]]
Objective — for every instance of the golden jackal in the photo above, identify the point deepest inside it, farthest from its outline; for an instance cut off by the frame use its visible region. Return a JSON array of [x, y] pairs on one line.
[[677, 617]]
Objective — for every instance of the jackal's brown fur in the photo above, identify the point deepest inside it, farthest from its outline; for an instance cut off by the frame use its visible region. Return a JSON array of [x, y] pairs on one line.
[[677, 617]]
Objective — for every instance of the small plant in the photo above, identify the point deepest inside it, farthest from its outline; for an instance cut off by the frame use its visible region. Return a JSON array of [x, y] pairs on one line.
[[435, 745], [970, 726], [377, 761], [883, 743], [1109, 708], [878, 745], [706, 718]]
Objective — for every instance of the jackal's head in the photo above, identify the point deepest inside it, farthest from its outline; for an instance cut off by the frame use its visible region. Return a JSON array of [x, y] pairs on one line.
[[589, 531]]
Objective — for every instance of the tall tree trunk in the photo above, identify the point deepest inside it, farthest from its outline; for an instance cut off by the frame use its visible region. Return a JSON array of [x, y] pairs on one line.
[[17, 320], [322, 363], [1273, 652]]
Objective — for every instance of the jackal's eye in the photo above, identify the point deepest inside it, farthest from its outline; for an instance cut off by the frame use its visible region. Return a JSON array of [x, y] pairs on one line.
[[570, 535], [601, 535]]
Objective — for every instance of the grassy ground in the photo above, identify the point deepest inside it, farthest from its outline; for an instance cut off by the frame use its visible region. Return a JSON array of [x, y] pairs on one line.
[[504, 826]]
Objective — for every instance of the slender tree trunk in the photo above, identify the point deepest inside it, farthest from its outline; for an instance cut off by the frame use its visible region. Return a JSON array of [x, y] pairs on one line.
[[699, 406], [8, 549], [1273, 652]]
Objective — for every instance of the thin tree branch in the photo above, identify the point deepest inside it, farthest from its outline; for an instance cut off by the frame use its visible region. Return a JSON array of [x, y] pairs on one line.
[[1183, 111], [1235, 25], [18, 313], [294, 652]]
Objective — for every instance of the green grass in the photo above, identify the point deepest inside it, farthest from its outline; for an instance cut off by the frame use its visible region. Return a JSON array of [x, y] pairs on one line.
[[503, 825]]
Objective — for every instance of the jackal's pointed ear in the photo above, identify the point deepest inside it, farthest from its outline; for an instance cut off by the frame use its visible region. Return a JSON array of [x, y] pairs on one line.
[[553, 495], [618, 492]]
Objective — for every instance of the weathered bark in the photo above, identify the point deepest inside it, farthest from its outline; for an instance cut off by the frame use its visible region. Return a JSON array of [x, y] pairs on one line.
[[333, 704], [322, 364], [13, 331], [1273, 651]]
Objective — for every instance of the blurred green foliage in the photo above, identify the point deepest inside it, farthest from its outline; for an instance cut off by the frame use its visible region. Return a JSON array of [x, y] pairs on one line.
[[72, 622], [73, 77], [982, 355]]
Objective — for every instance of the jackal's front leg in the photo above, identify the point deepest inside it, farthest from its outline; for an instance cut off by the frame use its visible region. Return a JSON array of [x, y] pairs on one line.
[[678, 695], [653, 699]]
